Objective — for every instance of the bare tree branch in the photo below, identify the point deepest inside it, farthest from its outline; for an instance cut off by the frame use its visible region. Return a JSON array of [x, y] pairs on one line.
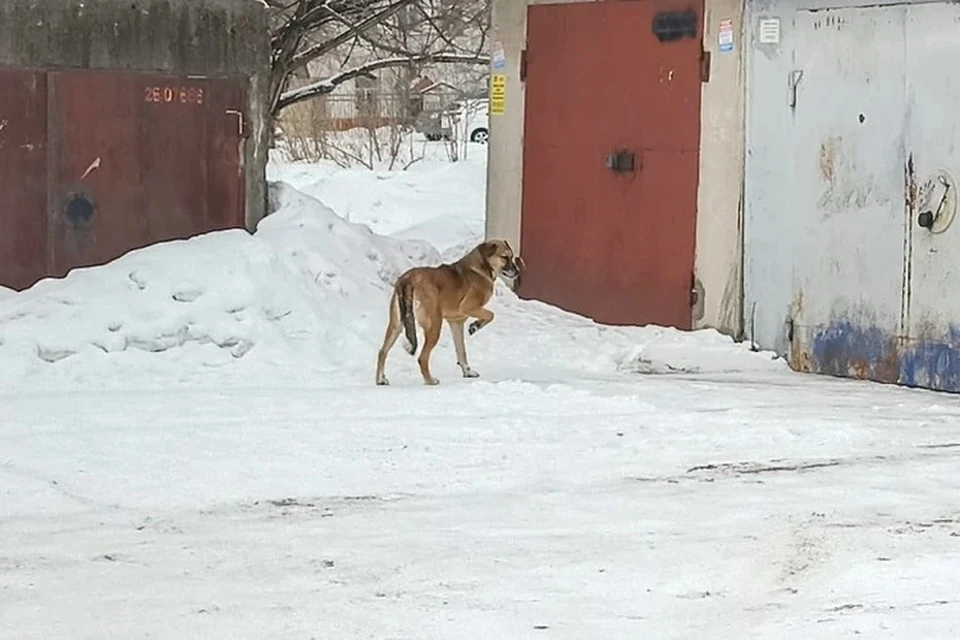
[[410, 33], [353, 30], [326, 86]]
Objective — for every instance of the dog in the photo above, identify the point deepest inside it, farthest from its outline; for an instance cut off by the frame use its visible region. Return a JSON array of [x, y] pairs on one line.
[[453, 292]]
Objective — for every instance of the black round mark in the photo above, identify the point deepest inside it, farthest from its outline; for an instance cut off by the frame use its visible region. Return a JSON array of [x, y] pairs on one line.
[[78, 210], [862, 118]]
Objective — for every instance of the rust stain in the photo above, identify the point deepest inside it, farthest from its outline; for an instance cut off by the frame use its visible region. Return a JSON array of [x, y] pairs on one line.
[[888, 369], [828, 156], [906, 277], [859, 369], [845, 185], [800, 360], [910, 181]]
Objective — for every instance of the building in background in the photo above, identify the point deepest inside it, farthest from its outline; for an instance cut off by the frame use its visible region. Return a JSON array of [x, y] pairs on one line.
[[408, 94]]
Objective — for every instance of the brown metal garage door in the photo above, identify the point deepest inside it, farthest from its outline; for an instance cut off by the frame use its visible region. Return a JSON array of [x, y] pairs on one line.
[[132, 159], [23, 177], [615, 245]]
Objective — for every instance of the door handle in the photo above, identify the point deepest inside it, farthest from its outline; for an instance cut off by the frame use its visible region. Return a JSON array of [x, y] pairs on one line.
[[928, 218], [241, 122], [622, 161]]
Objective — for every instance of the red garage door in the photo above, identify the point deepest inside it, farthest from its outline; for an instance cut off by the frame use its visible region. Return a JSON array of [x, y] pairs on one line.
[[23, 177], [611, 158], [125, 160]]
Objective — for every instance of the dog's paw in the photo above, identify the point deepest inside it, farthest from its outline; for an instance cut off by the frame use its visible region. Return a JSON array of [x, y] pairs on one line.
[[474, 327], [383, 382], [470, 373], [431, 382]]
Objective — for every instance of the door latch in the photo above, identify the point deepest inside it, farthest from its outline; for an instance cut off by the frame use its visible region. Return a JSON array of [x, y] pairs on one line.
[[928, 218], [621, 161], [793, 81], [241, 122]]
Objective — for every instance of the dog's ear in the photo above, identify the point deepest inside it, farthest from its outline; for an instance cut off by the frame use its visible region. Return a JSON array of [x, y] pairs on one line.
[[487, 249]]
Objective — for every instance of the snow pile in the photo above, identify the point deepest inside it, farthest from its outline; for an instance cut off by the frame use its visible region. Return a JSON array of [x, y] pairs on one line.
[[546, 336], [668, 350], [296, 292], [437, 201], [212, 298], [304, 297]]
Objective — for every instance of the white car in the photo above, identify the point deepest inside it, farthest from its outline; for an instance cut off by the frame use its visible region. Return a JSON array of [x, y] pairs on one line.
[[470, 118]]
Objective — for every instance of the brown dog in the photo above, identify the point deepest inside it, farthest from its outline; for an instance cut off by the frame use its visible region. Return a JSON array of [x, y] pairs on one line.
[[453, 292]]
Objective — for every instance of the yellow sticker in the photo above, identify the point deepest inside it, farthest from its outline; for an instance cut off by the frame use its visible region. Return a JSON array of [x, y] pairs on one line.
[[498, 94]]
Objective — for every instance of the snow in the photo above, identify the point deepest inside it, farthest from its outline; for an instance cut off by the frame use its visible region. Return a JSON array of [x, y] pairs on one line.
[[191, 445], [433, 200]]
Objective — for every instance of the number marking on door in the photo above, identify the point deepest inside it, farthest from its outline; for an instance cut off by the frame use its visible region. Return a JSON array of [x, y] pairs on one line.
[[173, 95]]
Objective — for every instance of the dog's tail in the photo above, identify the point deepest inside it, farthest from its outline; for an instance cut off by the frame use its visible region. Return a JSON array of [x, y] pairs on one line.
[[405, 301]]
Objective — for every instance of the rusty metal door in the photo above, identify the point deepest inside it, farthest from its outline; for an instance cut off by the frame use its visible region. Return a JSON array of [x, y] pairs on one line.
[[847, 317], [930, 353], [611, 159], [875, 171], [228, 129], [138, 159], [23, 177]]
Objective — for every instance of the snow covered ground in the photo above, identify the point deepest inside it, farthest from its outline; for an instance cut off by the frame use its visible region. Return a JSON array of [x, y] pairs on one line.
[[191, 446]]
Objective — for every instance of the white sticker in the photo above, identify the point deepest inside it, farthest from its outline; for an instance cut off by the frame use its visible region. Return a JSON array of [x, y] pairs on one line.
[[498, 57], [725, 36], [769, 31]]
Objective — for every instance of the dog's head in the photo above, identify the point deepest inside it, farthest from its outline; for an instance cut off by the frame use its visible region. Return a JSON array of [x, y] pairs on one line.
[[499, 255]]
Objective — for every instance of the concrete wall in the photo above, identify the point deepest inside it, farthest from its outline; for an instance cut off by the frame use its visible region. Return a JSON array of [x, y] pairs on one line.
[[720, 194], [718, 257], [198, 37]]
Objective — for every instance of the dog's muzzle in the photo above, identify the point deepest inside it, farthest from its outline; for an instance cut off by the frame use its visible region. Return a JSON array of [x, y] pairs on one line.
[[514, 267]]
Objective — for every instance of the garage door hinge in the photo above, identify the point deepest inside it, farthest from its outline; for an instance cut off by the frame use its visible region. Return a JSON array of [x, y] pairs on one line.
[[704, 66], [523, 65]]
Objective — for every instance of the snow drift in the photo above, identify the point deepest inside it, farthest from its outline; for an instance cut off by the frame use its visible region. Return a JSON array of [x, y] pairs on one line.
[[302, 298]]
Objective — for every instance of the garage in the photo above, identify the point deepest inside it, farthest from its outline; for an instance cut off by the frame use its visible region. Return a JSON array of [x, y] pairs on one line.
[[851, 244], [123, 124]]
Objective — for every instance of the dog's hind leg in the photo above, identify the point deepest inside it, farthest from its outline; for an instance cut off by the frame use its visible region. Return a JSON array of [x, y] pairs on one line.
[[483, 318], [456, 328], [431, 336], [394, 328]]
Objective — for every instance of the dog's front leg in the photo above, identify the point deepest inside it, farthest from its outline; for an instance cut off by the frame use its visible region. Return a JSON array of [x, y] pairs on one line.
[[456, 328], [483, 318]]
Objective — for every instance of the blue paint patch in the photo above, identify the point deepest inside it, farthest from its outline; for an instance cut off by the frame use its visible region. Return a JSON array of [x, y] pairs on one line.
[[847, 350], [933, 364], [844, 349]]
